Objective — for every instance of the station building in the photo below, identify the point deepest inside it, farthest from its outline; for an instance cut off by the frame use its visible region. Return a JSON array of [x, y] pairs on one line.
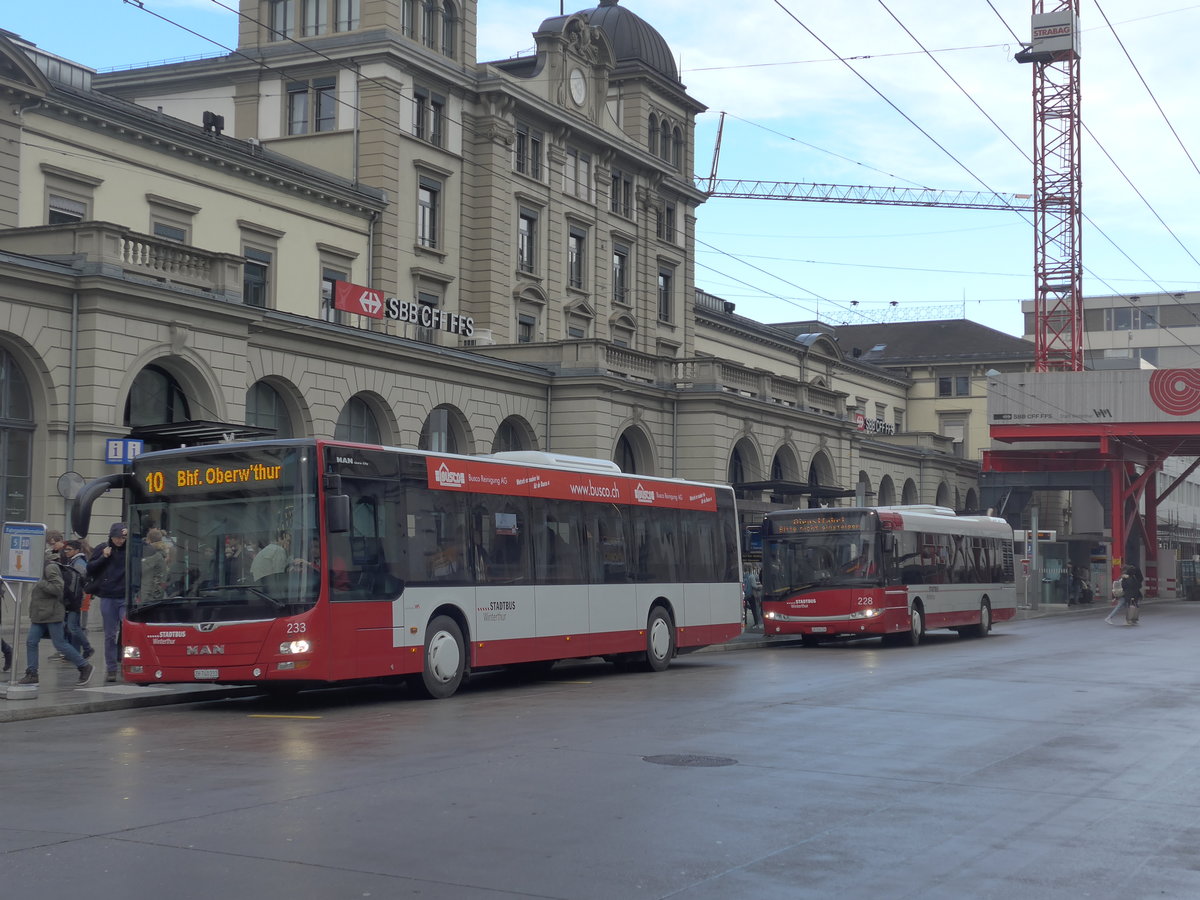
[[172, 239]]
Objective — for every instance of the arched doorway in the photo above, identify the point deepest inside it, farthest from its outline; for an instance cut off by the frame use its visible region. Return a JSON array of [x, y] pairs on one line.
[[910, 497], [513, 434], [887, 491], [444, 431], [357, 423], [633, 452], [266, 408], [16, 439]]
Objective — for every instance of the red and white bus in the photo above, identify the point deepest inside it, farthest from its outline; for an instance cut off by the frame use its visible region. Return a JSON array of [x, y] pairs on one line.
[[891, 572], [299, 563]]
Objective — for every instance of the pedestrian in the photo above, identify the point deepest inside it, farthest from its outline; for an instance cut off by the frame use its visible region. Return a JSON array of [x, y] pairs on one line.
[[106, 569], [1133, 594], [5, 647], [1124, 589], [46, 617], [750, 588], [154, 567], [75, 561]]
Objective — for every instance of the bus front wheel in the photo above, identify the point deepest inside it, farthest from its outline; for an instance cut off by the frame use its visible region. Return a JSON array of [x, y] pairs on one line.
[[916, 630], [445, 659], [660, 640]]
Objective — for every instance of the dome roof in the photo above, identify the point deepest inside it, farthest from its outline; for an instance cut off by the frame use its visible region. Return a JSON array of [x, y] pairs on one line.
[[632, 39]]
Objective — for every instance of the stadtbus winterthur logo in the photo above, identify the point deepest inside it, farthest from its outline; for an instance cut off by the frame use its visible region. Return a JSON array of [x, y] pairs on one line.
[[1176, 391], [447, 477]]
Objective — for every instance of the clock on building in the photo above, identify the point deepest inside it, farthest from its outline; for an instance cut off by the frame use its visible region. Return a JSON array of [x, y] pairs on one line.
[[578, 86]]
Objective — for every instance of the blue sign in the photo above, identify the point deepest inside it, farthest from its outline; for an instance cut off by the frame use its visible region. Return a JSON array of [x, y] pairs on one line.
[[24, 547], [122, 451]]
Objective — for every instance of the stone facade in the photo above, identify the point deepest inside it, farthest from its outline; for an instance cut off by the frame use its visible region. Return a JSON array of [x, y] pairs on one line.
[[589, 339]]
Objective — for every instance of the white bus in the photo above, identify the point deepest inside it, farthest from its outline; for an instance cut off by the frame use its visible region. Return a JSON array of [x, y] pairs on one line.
[[891, 572]]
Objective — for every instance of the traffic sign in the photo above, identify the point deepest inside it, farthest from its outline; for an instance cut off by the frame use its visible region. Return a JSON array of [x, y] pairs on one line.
[[24, 547], [122, 451]]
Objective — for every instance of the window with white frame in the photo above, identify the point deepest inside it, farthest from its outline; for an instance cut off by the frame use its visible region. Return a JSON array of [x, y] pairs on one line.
[[666, 293], [312, 105], [576, 257], [621, 201], [282, 20], [577, 174], [329, 278], [620, 273], [256, 277], [429, 198], [527, 231], [429, 113], [69, 195], [527, 151], [346, 15], [314, 17], [449, 29], [429, 24]]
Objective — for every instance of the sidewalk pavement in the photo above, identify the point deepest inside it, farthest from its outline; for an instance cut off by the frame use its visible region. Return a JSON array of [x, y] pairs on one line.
[[58, 695]]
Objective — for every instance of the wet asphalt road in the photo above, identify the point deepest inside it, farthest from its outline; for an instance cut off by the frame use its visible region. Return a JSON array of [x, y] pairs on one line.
[[1059, 758]]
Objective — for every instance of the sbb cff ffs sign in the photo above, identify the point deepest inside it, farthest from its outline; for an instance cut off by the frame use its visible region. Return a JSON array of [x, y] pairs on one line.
[[365, 301]]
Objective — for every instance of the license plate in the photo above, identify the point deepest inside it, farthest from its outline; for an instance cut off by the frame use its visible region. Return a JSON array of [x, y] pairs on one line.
[[816, 628], [204, 674]]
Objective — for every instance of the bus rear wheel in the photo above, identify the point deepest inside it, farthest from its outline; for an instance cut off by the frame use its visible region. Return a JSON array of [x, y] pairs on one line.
[[660, 640], [445, 659], [985, 622]]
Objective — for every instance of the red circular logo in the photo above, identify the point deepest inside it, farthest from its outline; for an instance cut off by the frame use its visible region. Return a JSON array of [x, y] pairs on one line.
[[1176, 391]]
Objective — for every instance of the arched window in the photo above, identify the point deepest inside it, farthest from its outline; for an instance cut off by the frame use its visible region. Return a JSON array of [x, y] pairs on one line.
[[653, 134], [665, 146], [449, 28], [626, 458], [265, 409], [439, 434], [677, 142], [429, 23], [509, 437], [16, 440], [357, 423], [156, 398]]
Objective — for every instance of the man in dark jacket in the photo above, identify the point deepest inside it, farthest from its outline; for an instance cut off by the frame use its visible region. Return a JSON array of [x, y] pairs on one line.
[[46, 615], [106, 568]]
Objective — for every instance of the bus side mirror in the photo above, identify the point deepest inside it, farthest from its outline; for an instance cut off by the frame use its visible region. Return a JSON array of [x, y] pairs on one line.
[[337, 513], [888, 542]]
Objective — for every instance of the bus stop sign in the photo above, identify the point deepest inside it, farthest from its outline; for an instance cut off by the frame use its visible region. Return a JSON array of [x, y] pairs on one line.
[[24, 547]]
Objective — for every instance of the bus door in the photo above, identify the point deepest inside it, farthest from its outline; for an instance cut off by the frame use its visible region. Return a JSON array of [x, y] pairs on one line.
[[562, 620], [500, 562], [365, 580], [612, 595]]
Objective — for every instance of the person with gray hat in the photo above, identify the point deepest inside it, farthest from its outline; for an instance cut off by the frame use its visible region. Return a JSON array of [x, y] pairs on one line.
[[106, 569]]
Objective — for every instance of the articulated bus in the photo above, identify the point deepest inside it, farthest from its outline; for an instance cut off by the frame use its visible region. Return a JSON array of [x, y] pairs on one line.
[[301, 563], [889, 572]]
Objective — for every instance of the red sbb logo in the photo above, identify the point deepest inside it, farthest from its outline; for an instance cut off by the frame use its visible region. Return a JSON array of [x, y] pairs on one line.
[[1176, 391]]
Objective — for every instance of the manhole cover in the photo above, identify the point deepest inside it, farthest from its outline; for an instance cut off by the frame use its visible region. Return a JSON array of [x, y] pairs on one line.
[[690, 759]]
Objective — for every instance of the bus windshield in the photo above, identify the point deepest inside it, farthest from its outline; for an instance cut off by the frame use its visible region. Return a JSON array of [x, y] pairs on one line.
[[223, 536], [834, 550]]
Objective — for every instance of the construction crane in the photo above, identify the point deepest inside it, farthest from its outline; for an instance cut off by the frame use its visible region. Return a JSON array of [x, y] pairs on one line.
[[753, 189], [1057, 186]]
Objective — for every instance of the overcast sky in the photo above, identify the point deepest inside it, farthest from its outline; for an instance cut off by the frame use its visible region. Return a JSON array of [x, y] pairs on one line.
[[843, 93]]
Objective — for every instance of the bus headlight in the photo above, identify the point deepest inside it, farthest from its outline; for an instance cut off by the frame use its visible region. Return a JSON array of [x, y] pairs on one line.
[[866, 613], [129, 652], [294, 647]]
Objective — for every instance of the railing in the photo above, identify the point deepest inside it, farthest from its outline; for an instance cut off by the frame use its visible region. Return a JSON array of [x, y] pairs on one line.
[[104, 247], [702, 374]]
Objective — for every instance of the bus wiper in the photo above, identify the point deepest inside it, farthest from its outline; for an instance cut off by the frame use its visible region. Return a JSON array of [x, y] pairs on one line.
[[165, 601], [258, 592], [795, 588]]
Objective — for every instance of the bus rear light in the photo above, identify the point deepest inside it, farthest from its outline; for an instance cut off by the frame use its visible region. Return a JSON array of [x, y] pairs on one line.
[[291, 648]]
